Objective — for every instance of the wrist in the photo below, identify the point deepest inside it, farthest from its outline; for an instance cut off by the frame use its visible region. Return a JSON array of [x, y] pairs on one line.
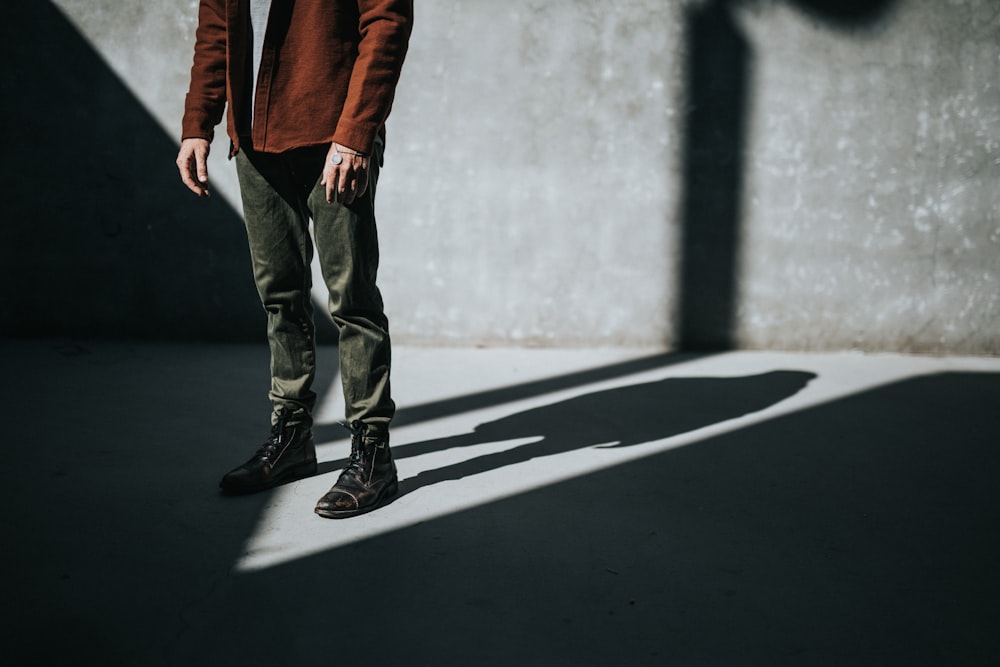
[[340, 148]]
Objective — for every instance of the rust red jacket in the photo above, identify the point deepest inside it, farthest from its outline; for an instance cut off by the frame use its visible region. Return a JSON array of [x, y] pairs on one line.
[[328, 71]]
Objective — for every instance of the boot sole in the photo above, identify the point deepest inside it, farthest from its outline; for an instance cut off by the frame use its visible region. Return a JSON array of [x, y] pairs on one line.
[[389, 493]]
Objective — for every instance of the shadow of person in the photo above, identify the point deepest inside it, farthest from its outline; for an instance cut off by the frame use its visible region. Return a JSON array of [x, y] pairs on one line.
[[619, 417]]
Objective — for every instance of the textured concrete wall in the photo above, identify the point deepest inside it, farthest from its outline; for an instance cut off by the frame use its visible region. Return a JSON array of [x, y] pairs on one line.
[[799, 174], [872, 201]]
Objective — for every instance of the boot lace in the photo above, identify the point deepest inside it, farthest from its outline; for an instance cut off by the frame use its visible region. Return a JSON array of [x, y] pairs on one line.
[[273, 445], [355, 462]]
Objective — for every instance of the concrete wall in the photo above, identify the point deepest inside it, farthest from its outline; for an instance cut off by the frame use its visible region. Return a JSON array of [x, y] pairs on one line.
[[797, 174]]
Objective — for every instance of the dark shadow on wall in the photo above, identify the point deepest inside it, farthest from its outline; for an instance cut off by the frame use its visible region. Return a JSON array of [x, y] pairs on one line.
[[719, 66], [99, 238], [719, 84]]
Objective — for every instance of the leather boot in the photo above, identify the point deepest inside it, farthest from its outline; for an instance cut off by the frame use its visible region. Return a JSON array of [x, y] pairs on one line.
[[289, 454], [368, 481]]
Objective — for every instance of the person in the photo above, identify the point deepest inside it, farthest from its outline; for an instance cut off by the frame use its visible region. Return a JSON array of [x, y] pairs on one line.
[[306, 87]]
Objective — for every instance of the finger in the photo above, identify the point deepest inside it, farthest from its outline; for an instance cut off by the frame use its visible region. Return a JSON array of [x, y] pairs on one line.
[[201, 161], [200, 188], [351, 191], [184, 165], [330, 180], [362, 183], [191, 185], [342, 191]]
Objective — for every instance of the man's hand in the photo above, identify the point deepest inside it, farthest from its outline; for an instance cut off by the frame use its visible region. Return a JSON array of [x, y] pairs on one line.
[[192, 161], [345, 174]]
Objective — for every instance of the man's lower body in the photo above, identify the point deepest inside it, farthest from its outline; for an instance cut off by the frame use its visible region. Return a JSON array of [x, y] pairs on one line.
[[281, 193]]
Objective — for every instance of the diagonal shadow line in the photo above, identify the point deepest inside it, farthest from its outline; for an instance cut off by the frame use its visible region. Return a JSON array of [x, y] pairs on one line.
[[125, 157], [628, 416], [684, 410], [492, 397], [448, 407], [740, 397]]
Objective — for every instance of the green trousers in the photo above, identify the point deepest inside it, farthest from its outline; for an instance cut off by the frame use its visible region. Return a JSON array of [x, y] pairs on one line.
[[281, 193]]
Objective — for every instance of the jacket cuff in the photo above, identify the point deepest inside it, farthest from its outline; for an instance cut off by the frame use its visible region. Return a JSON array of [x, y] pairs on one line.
[[197, 126], [356, 136]]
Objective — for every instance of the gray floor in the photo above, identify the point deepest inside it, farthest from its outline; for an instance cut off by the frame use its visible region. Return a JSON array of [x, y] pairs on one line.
[[562, 507]]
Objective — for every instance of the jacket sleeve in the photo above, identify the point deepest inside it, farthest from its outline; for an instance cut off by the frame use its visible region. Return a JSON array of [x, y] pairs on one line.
[[385, 27], [206, 98]]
